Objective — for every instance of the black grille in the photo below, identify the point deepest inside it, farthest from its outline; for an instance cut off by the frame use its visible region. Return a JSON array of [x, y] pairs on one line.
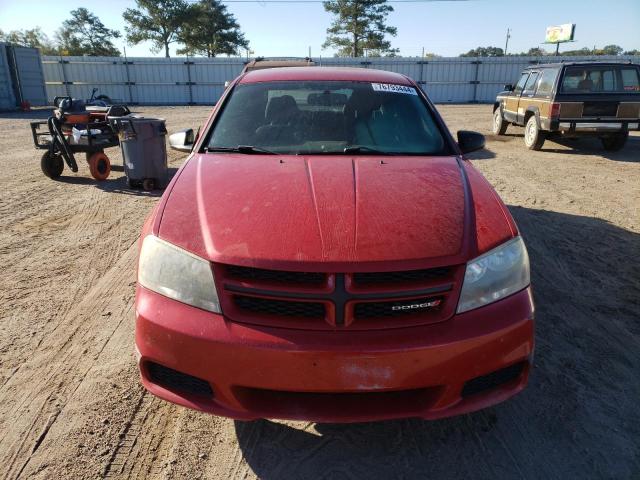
[[275, 276], [177, 381], [279, 307], [492, 380], [408, 276], [385, 309]]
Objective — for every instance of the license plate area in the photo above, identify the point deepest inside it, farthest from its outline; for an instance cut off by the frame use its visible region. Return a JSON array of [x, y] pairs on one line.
[[600, 109]]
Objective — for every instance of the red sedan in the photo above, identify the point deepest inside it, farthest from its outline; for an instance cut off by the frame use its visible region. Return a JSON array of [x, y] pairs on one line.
[[327, 254]]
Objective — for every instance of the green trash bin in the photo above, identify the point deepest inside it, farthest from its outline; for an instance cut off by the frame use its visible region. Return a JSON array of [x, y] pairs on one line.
[[144, 151]]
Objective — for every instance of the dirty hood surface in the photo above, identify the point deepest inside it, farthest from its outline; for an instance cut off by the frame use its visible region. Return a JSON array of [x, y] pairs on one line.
[[275, 211]]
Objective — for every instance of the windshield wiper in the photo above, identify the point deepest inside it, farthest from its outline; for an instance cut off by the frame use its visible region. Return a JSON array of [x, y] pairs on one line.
[[248, 149], [365, 149], [373, 151]]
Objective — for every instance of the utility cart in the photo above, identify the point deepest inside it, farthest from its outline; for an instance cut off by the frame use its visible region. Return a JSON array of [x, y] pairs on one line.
[[74, 128]]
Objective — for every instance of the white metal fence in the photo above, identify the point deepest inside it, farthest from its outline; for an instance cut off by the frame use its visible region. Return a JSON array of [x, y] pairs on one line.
[[200, 81]]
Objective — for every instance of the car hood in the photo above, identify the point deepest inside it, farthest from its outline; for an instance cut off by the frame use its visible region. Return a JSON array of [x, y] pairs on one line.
[[295, 212]]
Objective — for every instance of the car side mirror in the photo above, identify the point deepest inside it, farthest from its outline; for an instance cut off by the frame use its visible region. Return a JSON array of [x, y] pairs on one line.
[[470, 141], [508, 87], [183, 140]]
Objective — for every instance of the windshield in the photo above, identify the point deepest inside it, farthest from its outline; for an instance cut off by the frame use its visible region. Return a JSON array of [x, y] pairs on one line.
[[318, 117]]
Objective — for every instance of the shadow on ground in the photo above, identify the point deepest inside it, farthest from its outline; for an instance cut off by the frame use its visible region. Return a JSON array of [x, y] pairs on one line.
[[114, 185], [482, 154], [580, 146], [578, 417], [593, 146]]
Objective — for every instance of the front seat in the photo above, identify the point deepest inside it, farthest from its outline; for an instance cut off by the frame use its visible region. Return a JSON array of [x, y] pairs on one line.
[[281, 115], [586, 84], [282, 110]]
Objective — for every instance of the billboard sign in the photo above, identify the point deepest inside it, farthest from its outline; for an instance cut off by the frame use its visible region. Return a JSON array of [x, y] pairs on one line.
[[560, 33]]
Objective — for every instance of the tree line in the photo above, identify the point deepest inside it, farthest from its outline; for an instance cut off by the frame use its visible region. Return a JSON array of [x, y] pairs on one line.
[[539, 52], [202, 28], [359, 28]]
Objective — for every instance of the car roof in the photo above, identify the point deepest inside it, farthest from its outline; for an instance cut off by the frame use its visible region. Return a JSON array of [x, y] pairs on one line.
[[583, 63], [324, 73]]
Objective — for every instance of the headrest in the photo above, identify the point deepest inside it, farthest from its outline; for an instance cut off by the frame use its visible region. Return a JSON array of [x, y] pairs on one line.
[[281, 109]]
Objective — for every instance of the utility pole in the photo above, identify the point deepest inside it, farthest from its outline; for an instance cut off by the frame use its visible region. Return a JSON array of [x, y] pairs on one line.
[[506, 43]]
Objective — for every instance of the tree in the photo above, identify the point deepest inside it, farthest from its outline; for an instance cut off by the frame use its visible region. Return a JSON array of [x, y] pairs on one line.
[[575, 53], [33, 38], [608, 50], [211, 30], [635, 52], [158, 21], [484, 52], [359, 25], [536, 52], [85, 34]]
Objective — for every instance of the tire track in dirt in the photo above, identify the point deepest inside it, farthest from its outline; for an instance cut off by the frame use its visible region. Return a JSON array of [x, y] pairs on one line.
[[50, 223], [60, 369]]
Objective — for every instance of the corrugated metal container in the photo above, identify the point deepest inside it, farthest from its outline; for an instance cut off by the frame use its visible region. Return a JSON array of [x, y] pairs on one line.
[[7, 99], [200, 81], [28, 76]]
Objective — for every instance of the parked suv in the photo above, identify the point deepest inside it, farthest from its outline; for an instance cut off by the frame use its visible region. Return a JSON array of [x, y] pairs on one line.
[[572, 99], [326, 253]]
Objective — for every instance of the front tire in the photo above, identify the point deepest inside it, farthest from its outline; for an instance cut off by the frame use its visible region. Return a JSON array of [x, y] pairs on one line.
[[533, 137], [615, 142], [52, 164], [499, 125]]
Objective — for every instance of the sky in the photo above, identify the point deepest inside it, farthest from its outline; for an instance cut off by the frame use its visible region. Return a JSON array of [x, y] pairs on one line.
[[446, 28]]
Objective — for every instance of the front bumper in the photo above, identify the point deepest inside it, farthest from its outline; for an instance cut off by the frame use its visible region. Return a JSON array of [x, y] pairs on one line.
[[335, 376]]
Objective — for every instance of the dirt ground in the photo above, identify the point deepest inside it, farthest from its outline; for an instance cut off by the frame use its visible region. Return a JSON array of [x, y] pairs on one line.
[[71, 405]]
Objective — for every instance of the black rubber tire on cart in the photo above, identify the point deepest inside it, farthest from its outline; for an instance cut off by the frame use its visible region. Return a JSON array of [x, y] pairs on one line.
[[105, 98], [614, 142], [499, 126], [533, 137], [52, 164], [148, 184]]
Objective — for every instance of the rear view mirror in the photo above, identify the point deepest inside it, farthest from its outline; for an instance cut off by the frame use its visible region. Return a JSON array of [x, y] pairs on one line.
[[508, 87], [470, 141], [182, 140]]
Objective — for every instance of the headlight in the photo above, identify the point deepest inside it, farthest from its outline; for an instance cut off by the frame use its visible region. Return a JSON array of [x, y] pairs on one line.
[[178, 274], [495, 275]]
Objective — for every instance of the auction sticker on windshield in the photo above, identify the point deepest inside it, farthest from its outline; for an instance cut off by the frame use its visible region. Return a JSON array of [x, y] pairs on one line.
[[390, 87]]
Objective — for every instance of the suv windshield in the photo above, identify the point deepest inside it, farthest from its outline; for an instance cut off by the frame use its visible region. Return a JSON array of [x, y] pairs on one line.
[[320, 117], [600, 78]]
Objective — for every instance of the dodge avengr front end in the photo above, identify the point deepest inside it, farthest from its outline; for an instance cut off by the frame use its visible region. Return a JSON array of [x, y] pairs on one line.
[[327, 254]]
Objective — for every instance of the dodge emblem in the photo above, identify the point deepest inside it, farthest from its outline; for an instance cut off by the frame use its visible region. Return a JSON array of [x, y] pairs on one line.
[[415, 306]]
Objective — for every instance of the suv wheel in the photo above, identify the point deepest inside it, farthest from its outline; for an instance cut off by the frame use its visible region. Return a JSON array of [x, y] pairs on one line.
[[499, 125], [533, 137], [615, 142]]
